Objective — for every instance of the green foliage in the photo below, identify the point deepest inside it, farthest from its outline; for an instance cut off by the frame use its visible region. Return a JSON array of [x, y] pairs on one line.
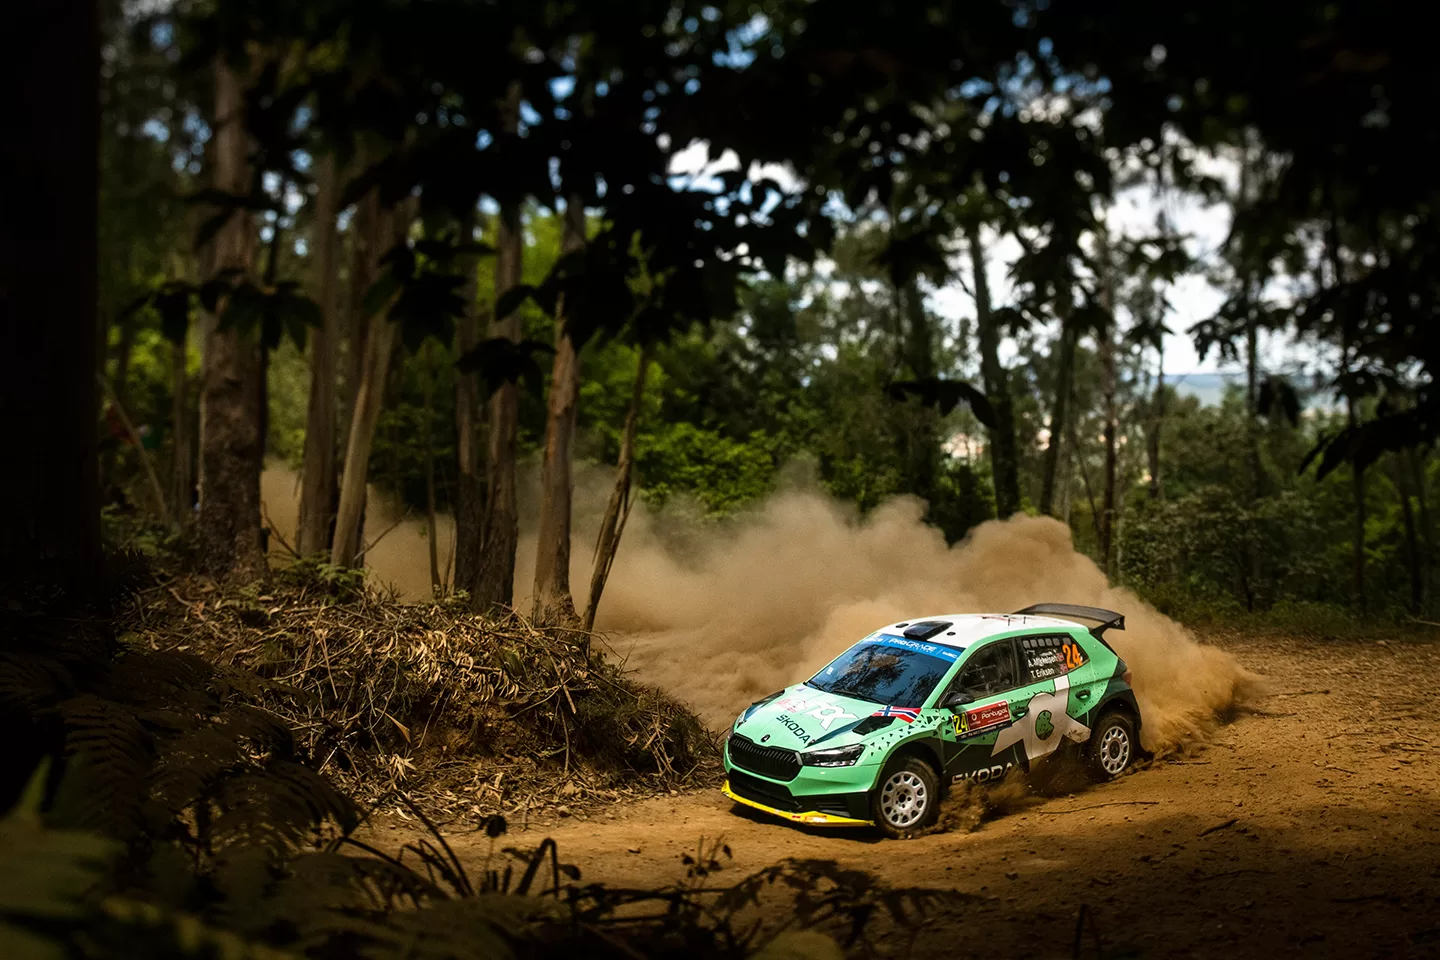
[[794, 362], [1212, 548], [722, 473], [315, 575], [288, 385]]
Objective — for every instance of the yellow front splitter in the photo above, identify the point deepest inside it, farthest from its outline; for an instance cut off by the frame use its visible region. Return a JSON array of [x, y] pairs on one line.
[[812, 817]]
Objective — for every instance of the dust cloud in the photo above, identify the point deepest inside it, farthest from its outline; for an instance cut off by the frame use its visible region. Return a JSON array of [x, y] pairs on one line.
[[722, 614], [399, 555]]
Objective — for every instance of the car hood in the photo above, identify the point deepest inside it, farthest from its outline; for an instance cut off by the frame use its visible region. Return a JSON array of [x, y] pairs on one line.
[[802, 717]]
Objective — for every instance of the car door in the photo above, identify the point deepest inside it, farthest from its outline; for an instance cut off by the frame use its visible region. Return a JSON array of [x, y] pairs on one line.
[[1058, 692], [991, 678]]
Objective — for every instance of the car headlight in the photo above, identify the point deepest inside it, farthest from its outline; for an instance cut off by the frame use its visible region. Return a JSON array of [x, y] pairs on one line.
[[838, 757]]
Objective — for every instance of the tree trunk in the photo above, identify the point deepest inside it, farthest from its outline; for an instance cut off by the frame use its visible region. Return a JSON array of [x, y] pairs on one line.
[[469, 488], [348, 547], [1066, 483], [1078, 452], [48, 297], [365, 253], [612, 525], [230, 439], [1004, 459], [317, 488], [347, 550], [500, 524], [182, 484], [1415, 462], [272, 273], [1064, 377], [1357, 487], [554, 606], [373, 229], [919, 345], [1412, 540], [1252, 408], [1157, 423], [431, 535], [1108, 380]]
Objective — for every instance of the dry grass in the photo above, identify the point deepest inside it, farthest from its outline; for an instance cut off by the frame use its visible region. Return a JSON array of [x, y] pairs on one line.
[[468, 716]]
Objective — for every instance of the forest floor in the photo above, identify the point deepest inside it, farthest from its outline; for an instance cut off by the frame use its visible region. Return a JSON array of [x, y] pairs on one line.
[[1307, 824]]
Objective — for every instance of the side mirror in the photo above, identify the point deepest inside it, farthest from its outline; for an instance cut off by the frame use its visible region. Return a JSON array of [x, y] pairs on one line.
[[956, 698]]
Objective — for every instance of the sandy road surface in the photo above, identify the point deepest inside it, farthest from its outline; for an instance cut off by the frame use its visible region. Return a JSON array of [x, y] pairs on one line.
[[1307, 826]]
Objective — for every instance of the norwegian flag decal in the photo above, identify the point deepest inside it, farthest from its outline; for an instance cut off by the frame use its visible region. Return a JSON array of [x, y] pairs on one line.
[[908, 714]]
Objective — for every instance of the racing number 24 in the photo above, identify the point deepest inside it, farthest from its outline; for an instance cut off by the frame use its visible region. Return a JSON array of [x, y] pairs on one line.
[[1073, 657]]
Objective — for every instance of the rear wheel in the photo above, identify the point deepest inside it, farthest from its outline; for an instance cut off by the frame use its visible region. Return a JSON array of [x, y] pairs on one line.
[[907, 798], [1112, 746]]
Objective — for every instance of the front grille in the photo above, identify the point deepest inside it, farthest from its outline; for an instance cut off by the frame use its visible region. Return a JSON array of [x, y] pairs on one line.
[[772, 795], [776, 763]]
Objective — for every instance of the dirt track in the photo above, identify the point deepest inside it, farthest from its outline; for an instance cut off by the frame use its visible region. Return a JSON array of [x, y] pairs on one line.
[[1306, 826]]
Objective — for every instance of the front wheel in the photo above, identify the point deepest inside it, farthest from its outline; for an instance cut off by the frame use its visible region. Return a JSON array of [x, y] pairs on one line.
[[907, 798], [1111, 748]]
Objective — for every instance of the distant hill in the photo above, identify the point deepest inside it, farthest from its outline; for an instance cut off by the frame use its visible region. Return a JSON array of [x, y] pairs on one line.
[[1209, 388]]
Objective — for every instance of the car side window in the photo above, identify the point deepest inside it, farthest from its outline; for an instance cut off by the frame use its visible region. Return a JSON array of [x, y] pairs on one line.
[[990, 670], [1050, 656]]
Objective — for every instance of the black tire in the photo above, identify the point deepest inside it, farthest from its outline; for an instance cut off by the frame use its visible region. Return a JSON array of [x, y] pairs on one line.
[[906, 798], [1112, 747]]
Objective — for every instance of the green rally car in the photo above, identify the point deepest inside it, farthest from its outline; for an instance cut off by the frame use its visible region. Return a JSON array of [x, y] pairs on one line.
[[878, 735]]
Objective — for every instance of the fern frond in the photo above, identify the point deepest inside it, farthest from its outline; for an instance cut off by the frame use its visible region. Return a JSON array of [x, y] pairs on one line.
[[29, 682], [191, 765], [264, 730], [278, 807], [146, 677], [109, 755]]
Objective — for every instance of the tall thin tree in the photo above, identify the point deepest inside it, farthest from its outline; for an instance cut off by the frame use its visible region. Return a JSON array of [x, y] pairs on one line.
[[348, 548], [500, 527], [427, 442], [1059, 409], [469, 487], [317, 488], [1108, 390], [1004, 460], [231, 402], [553, 604], [617, 511]]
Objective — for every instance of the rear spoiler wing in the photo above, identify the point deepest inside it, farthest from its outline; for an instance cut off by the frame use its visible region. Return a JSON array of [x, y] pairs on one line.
[[1107, 619]]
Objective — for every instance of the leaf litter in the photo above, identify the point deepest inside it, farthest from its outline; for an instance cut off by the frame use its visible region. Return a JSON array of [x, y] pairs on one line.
[[468, 716]]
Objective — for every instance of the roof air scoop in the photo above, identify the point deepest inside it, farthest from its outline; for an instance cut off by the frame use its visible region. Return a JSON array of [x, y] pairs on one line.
[[925, 629]]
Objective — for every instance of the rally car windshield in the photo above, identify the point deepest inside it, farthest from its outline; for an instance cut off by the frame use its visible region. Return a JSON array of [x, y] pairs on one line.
[[888, 670]]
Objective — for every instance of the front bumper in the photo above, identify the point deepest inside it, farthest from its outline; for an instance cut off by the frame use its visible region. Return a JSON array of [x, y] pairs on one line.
[[813, 817], [828, 796]]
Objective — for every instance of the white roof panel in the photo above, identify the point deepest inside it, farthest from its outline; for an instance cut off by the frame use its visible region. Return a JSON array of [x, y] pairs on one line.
[[967, 629]]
